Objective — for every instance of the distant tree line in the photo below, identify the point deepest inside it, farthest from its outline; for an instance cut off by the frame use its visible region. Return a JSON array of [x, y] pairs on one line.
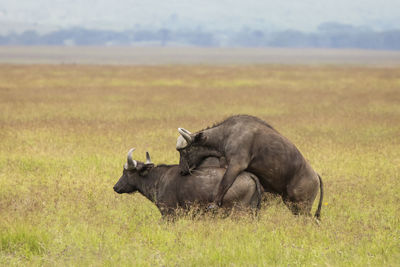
[[328, 35]]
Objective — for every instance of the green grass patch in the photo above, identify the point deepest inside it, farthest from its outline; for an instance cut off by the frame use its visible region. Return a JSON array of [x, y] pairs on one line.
[[23, 240]]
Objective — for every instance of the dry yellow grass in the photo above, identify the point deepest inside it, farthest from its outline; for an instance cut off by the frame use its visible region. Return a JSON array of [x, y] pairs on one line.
[[65, 131]]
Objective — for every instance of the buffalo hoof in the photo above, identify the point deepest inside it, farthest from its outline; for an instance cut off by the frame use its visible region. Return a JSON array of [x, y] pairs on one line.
[[212, 207]]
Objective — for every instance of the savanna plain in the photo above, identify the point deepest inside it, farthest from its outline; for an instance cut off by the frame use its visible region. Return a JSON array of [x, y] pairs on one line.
[[65, 131]]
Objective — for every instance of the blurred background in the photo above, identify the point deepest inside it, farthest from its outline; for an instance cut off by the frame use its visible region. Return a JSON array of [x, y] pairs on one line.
[[365, 24]]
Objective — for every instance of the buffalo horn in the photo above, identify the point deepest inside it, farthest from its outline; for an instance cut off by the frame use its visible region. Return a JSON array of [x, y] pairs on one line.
[[130, 164], [186, 134], [148, 160], [181, 142]]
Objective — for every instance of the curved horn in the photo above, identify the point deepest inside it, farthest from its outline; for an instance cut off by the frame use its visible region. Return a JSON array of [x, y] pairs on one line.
[[148, 160], [130, 163], [181, 142], [186, 134]]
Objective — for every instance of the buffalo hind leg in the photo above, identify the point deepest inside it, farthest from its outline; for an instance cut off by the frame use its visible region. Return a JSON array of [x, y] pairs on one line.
[[298, 208], [301, 193]]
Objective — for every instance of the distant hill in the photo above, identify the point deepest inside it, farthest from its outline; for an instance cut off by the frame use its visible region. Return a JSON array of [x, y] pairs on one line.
[[328, 35]]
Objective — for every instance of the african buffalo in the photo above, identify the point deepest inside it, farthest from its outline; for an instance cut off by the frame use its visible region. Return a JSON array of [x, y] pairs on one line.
[[165, 186], [248, 143]]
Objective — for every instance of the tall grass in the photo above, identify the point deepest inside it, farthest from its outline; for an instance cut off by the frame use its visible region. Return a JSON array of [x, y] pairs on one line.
[[65, 131]]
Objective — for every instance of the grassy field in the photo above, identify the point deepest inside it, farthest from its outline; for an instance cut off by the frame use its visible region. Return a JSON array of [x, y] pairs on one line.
[[65, 131]]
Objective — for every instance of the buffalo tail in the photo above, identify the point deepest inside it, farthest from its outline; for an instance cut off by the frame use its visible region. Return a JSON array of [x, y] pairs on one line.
[[260, 191], [321, 197]]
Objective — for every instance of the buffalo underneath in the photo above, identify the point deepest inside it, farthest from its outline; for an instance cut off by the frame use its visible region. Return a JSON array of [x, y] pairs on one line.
[[248, 143], [169, 190]]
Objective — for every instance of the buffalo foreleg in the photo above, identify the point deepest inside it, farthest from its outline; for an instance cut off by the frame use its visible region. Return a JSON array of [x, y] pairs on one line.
[[229, 178]]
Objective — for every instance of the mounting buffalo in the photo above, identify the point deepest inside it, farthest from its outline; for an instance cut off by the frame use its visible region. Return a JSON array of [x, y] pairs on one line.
[[250, 144], [169, 190]]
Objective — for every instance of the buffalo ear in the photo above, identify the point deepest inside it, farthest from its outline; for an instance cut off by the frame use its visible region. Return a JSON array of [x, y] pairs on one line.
[[200, 138], [144, 170]]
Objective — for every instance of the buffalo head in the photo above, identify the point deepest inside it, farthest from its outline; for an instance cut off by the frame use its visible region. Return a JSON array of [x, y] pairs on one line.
[[193, 150], [132, 173]]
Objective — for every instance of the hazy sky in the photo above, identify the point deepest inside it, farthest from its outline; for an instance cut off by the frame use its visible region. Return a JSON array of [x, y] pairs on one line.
[[303, 15]]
